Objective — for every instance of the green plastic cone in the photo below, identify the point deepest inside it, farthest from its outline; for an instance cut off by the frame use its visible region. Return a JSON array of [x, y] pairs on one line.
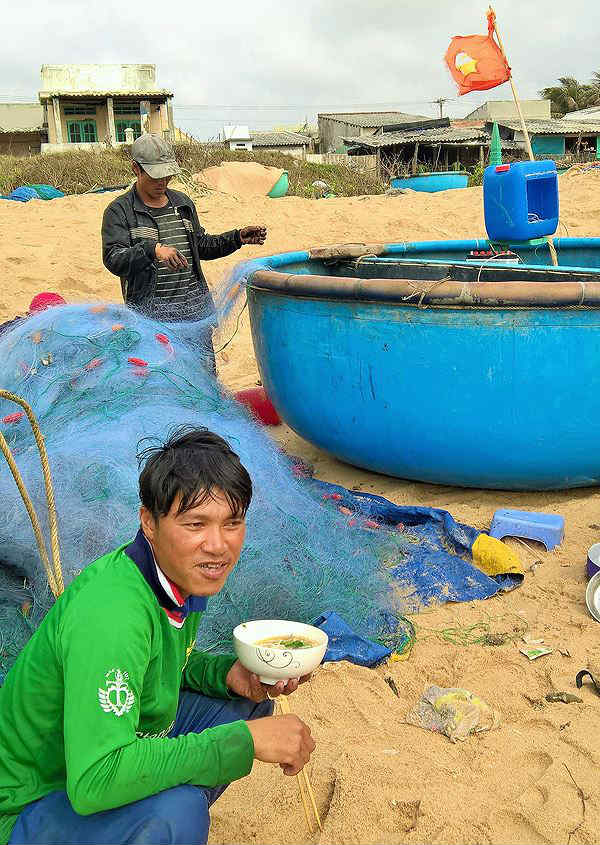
[[495, 148]]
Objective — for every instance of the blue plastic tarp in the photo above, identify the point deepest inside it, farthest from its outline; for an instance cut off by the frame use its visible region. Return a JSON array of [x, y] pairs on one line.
[[430, 552], [345, 644]]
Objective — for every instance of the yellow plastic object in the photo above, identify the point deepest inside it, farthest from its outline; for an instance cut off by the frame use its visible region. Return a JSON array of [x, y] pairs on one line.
[[494, 557], [396, 657]]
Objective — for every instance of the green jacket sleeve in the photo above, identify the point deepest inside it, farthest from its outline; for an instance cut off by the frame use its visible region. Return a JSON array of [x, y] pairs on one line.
[[105, 654], [206, 673]]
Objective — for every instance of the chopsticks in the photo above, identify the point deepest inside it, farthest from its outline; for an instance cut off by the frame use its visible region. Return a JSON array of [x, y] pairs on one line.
[[303, 781]]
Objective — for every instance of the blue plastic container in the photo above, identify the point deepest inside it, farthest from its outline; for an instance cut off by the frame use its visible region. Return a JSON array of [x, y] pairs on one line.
[[520, 200], [432, 182]]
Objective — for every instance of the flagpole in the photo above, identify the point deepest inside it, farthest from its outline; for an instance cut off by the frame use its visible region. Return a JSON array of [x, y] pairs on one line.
[[514, 90], [551, 247]]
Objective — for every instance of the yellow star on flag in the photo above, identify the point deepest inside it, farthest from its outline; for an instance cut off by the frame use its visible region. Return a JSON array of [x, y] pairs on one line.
[[468, 67]]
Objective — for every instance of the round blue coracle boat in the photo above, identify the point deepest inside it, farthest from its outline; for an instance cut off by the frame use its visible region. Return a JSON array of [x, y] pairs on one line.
[[438, 361], [431, 183]]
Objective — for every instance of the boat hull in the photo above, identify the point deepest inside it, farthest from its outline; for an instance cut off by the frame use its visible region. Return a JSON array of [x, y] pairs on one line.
[[431, 390]]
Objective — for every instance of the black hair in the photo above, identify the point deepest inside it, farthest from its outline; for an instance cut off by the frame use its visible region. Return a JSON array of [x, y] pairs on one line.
[[192, 463]]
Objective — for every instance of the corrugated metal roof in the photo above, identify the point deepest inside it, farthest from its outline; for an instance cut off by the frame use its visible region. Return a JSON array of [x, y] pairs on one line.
[[21, 117], [90, 95], [593, 113], [371, 119], [447, 135], [450, 135], [279, 139], [554, 127]]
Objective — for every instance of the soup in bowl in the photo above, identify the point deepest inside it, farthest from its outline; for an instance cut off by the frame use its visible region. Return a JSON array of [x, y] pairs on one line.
[[277, 650]]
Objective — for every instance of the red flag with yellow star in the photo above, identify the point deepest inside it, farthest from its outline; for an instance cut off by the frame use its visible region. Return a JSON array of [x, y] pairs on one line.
[[476, 62]]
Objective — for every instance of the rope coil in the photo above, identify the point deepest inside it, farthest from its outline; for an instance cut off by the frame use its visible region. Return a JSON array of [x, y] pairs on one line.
[[54, 570]]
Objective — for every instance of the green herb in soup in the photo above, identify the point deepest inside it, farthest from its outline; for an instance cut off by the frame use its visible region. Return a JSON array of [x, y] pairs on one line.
[[286, 642]]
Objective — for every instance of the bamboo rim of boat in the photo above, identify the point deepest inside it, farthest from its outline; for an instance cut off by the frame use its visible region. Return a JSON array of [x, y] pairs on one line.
[[443, 292]]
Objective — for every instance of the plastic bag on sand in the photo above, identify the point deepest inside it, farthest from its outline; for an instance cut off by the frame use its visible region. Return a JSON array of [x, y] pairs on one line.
[[457, 713]]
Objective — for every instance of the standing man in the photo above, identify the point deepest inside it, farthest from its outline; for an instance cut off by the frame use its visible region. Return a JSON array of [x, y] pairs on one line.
[[114, 729], [153, 240]]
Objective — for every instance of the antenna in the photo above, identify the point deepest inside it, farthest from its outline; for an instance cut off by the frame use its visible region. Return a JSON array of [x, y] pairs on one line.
[[440, 102]]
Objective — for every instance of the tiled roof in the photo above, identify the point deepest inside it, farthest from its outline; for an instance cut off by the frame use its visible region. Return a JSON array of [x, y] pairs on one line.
[[554, 127], [21, 117], [372, 119], [584, 114], [444, 135], [279, 139], [143, 95]]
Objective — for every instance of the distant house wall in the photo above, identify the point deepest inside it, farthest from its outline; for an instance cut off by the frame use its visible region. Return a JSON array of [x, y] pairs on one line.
[[297, 152], [331, 133], [239, 144], [361, 162], [506, 110], [548, 145], [20, 143], [21, 128]]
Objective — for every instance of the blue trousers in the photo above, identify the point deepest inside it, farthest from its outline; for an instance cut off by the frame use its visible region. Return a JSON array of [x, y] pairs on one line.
[[178, 815]]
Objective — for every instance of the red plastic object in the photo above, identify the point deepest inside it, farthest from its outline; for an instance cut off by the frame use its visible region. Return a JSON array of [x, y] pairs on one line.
[[91, 365], [45, 300], [137, 362], [13, 418], [259, 405], [502, 168]]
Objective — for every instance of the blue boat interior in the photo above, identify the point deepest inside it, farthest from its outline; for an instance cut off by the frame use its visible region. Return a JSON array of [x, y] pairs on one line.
[[578, 258]]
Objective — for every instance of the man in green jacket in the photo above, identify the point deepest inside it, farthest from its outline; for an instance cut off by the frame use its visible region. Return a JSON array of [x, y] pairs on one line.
[[113, 727]]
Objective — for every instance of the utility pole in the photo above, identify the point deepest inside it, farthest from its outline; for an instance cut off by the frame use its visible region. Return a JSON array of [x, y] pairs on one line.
[[440, 102]]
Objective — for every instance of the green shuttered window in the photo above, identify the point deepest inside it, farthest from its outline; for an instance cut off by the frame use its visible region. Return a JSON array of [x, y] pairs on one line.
[[82, 131]]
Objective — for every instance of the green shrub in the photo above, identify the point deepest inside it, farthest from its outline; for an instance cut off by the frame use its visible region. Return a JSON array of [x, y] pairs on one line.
[[83, 170], [476, 175]]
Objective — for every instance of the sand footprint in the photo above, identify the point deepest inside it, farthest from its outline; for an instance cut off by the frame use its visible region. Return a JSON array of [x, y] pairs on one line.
[[510, 827]]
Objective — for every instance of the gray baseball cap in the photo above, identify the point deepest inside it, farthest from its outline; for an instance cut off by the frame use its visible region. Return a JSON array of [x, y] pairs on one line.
[[155, 155]]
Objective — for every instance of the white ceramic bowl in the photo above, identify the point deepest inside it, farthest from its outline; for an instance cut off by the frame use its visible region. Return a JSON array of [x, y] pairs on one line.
[[278, 664]]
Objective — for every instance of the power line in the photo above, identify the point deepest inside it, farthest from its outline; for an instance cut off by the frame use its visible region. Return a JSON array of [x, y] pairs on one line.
[[391, 104]]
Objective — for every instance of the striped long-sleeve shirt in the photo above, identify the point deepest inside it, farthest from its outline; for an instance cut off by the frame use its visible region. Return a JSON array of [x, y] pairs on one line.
[[178, 289]]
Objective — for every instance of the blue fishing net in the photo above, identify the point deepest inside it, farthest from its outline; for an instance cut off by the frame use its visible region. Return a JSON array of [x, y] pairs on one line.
[[100, 379]]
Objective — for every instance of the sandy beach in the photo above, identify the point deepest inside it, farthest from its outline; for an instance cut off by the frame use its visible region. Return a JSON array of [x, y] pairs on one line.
[[376, 778]]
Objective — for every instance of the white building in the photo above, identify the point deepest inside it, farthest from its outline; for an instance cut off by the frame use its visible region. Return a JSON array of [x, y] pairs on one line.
[[237, 137], [92, 105]]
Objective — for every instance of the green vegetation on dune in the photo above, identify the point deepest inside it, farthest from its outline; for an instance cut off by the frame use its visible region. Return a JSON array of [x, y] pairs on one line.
[[84, 170]]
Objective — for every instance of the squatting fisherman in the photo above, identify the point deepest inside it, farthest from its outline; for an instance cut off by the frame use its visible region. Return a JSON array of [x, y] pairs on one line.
[[153, 240], [114, 728]]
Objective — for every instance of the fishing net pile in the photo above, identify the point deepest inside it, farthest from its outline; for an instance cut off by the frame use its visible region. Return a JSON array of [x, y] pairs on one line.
[[101, 378]]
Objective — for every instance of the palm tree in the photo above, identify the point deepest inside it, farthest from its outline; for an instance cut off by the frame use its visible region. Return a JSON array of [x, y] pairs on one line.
[[572, 95], [596, 82]]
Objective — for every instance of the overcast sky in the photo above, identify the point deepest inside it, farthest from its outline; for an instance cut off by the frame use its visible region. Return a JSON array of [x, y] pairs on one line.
[[270, 63]]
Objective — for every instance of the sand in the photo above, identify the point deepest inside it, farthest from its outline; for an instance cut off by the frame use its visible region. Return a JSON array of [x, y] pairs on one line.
[[378, 779], [240, 178]]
